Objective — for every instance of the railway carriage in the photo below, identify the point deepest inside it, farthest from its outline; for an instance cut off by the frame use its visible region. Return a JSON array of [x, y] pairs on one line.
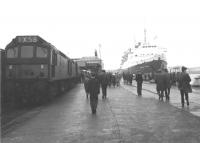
[[36, 71]]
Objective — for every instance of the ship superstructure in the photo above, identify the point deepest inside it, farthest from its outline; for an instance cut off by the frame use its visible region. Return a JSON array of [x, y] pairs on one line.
[[144, 57]]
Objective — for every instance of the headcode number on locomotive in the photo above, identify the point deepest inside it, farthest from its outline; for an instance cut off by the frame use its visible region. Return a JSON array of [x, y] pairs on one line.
[[27, 39]]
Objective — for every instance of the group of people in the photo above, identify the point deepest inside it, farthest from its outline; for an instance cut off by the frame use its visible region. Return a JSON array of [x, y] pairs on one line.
[[164, 82], [113, 79], [127, 78], [92, 84]]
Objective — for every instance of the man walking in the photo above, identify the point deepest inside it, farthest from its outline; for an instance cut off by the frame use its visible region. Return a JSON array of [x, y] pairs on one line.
[[130, 76], [139, 81], [85, 82], [167, 84], [184, 85], [160, 84], [94, 90], [104, 83]]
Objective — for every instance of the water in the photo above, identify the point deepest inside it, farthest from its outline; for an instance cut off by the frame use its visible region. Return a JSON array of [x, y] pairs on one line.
[[194, 80]]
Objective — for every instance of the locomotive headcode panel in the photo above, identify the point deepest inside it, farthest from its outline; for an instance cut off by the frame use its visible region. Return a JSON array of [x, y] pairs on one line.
[[27, 39]]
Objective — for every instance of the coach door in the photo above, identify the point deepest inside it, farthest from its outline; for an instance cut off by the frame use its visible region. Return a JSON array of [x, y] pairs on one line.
[[54, 63]]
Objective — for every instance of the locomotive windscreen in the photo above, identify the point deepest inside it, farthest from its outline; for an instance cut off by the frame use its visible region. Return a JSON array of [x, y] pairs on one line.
[[41, 52], [26, 51], [12, 52]]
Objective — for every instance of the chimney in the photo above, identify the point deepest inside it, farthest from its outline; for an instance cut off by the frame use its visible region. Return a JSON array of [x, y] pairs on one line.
[[95, 53]]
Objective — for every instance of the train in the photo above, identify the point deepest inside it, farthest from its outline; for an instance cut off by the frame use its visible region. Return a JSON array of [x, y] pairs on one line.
[[2, 72], [36, 71]]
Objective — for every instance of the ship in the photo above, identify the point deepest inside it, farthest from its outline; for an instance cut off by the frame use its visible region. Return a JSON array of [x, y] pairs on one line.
[[144, 57]]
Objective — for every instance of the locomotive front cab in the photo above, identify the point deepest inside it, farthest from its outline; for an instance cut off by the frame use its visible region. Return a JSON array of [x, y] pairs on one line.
[[27, 60]]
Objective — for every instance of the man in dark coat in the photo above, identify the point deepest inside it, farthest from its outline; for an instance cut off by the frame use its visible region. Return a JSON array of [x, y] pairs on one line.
[[113, 80], [167, 84], [94, 90], [104, 83], [160, 83], [109, 76], [130, 78], [85, 82], [184, 85], [139, 81]]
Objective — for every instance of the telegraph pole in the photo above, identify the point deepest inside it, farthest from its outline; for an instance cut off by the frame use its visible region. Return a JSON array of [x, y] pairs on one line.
[[100, 54]]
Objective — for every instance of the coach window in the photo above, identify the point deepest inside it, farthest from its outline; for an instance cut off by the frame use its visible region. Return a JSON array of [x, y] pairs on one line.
[[12, 53], [26, 51], [41, 52]]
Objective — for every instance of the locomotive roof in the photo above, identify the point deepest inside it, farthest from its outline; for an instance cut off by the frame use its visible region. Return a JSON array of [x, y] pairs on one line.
[[28, 39], [33, 39]]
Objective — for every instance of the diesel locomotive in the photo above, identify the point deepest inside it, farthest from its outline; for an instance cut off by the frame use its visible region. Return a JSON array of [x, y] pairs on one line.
[[35, 71], [2, 72]]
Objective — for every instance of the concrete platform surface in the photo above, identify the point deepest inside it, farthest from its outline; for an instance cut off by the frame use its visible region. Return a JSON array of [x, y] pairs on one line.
[[122, 118]]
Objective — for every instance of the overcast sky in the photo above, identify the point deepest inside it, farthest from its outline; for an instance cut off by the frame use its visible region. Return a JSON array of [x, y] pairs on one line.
[[77, 27]]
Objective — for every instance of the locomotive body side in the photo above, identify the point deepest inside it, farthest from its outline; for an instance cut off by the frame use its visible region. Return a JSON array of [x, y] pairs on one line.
[[63, 72], [60, 78], [2, 75], [59, 66]]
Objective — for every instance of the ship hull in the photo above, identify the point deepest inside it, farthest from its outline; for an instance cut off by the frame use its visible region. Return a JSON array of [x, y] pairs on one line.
[[147, 67]]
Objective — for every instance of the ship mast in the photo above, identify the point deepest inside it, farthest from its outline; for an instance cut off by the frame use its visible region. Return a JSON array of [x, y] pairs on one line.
[[145, 38]]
